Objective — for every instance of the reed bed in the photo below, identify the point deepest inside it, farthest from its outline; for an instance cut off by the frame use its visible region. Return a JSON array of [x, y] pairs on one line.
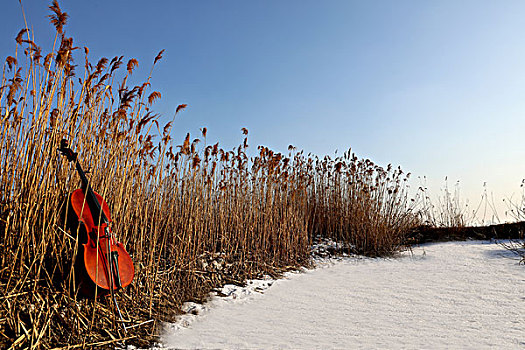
[[192, 216]]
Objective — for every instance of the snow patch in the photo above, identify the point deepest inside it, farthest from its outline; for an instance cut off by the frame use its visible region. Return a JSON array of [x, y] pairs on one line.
[[447, 295], [227, 294]]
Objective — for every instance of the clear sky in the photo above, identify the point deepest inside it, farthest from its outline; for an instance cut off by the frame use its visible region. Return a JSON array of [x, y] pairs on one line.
[[437, 87]]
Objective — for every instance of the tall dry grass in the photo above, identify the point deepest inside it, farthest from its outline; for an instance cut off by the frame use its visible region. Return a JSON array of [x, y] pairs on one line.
[[445, 210], [172, 206], [361, 203]]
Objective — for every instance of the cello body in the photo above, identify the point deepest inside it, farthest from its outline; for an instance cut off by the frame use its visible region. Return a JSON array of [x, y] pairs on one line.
[[98, 244]]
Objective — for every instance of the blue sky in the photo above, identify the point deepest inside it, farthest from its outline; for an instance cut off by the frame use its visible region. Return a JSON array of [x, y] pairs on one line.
[[437, 87]]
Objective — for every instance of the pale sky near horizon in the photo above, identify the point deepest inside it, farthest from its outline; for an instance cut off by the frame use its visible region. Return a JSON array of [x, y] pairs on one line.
[[436, 87]]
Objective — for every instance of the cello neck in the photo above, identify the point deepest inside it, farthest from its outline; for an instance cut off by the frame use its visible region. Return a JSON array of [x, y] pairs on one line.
[[91, 199], [83, 177]]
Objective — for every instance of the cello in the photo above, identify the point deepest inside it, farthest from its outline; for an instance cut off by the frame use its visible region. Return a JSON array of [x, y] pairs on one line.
[[105, 264]]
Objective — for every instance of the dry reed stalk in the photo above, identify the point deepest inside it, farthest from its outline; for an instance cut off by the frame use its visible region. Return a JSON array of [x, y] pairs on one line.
[[446, 210]]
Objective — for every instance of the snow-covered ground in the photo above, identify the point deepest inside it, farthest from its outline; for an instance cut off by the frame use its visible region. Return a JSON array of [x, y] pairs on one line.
[[468, 295]]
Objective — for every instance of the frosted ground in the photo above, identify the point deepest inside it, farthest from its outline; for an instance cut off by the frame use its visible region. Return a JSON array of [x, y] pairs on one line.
[[468, 295]]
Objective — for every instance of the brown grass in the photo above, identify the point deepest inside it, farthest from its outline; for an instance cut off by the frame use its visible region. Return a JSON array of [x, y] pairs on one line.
[[171, 206]]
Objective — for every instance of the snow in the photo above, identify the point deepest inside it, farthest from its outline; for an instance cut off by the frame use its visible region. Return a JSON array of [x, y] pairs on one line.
[[468, 295]]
